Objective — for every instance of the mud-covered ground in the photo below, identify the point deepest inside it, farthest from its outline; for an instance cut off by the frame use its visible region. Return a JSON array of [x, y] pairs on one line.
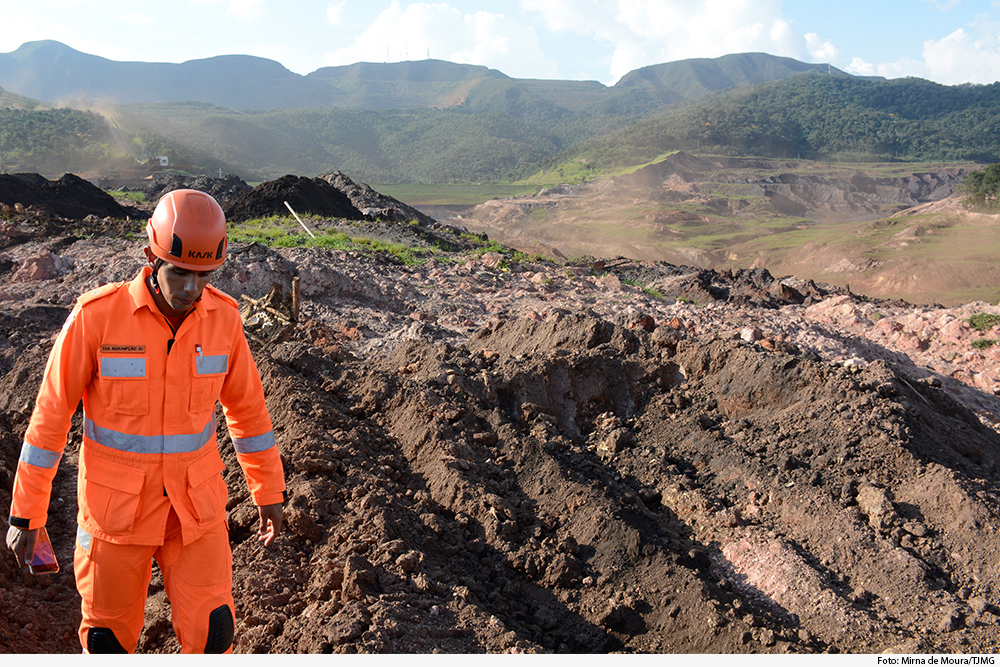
[[487, 457]]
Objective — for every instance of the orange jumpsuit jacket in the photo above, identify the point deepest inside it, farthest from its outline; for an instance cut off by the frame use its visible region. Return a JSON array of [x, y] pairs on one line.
[[149, 398]]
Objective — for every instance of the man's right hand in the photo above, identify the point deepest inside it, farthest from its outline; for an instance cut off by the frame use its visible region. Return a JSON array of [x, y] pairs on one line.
[[22, 543]]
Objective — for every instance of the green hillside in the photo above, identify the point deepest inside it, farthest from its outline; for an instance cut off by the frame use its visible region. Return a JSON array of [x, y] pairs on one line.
[[817, 116], [695, 78], [56, 141], [410, 145], [405, 85], [9, 100]]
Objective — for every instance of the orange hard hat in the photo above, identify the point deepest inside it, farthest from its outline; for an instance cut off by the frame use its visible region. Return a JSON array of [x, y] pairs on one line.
[[188, 229]]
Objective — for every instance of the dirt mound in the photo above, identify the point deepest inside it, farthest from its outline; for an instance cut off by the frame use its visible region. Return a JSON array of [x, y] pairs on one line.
[[68, 197], [375, 204], [489, 457], [223, 189], [313, 196], [684, 164]]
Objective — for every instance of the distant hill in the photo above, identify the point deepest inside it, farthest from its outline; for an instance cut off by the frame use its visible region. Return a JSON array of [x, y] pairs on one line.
[[695, 78], [415, 84], [55, 73]]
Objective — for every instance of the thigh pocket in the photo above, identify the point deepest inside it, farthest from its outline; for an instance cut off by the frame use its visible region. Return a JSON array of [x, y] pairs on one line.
[[111, 496], [206, 487]]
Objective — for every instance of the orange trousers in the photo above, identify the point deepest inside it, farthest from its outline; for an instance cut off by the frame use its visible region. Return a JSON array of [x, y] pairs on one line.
[[113, 580]]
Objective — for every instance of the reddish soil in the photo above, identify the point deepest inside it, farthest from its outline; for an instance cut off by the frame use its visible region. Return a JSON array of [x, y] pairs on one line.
[[493, 458]]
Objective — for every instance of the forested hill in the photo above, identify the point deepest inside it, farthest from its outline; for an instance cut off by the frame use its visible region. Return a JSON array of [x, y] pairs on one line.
[[816, 116]]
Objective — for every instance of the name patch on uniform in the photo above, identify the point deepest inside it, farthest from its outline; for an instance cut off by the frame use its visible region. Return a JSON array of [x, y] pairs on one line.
[[123, 349]]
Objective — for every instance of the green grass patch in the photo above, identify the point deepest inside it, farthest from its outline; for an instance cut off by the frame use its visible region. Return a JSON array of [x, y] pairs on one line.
[[984, 343], [648, 291], [282, 232], [137, 197], [285, 232], [983, 322]]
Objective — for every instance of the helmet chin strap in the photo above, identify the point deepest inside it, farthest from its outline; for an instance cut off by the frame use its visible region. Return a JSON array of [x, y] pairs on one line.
[[156, 269]]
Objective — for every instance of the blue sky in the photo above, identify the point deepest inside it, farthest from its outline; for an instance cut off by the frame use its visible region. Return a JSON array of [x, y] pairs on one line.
[[948, 41]]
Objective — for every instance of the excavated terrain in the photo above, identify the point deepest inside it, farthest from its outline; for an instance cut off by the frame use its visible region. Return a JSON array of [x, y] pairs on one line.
[[486, 457]]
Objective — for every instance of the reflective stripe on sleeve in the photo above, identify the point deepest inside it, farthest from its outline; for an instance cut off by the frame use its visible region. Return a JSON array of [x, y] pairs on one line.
[[123, 367], [148, 444], [83, 538], [258, 443], [38, 457], [212, 365]]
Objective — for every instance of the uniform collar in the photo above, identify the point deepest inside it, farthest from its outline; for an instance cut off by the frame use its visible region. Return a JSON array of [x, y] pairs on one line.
[[140, 296]]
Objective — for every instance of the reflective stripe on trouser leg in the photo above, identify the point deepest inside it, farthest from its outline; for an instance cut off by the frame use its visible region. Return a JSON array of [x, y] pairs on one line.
[[198, 578], [113, 581]]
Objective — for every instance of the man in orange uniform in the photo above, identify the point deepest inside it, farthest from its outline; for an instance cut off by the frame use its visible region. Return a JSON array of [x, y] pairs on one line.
[[149, 359]]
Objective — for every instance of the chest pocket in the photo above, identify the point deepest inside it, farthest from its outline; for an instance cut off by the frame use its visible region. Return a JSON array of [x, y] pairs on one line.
[[209, 372], [125, 385]]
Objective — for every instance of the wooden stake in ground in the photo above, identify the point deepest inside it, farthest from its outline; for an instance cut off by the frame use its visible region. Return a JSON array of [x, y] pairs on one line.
[[299, 219]]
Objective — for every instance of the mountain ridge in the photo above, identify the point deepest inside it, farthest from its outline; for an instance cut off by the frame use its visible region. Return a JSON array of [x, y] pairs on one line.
[[52, 72]]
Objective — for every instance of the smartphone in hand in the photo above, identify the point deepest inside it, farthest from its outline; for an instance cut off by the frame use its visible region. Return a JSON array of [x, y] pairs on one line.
[[43, 561]]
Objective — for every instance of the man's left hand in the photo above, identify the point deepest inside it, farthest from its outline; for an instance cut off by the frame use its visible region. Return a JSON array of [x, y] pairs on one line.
[[271, 517]]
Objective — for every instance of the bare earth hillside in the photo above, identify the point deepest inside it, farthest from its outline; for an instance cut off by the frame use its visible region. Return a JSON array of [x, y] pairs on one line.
[[890, 231], [486, 457]]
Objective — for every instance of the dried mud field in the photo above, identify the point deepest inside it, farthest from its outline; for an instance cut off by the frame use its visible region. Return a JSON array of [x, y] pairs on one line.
[[485, 457]]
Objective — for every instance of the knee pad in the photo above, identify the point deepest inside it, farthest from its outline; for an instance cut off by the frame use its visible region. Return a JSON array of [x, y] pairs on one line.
[[103, 640], [220, 630]]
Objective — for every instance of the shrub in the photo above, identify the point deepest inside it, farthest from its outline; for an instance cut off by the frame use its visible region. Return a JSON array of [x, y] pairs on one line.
[[983, 321]]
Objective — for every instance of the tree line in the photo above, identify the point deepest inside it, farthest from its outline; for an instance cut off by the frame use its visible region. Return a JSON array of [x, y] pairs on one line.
[[982, 189], [510, 136], [813, 116]]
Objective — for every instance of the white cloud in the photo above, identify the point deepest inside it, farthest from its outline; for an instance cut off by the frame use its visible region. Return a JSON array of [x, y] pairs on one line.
[[135, 19], [628, 57], [820, 50], [641, 32], [861, 68], [964, 58], [900, 68], [335, 13], [584, 17], [446, 33], [246, 10]]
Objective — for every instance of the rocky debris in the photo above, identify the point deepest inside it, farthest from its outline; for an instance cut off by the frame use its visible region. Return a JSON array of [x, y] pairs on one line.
[[374, 204], [484, 456]]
